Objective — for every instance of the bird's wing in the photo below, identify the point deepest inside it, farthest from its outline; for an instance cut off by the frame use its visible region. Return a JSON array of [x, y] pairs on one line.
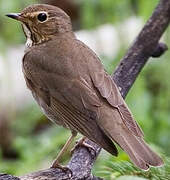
[[108, 89]]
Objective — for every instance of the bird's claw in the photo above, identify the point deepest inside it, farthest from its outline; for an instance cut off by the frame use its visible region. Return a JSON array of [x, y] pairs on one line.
[[82, 143]]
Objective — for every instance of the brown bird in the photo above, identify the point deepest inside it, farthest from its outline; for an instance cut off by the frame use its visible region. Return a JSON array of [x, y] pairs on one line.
[[72, 88]]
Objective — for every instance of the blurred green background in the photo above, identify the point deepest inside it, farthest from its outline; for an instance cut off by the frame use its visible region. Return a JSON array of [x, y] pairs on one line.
[[28, 141]]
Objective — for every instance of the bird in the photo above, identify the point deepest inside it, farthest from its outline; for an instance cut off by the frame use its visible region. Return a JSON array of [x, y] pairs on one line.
[[73, 89]]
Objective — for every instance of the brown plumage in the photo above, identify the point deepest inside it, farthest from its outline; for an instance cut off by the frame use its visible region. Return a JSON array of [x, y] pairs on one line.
[[71, 86]]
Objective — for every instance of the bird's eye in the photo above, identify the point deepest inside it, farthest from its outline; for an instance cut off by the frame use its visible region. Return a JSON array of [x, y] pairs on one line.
[[42, 17]]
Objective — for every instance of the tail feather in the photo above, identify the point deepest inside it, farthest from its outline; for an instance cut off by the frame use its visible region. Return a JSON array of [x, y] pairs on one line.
[[138, 151]]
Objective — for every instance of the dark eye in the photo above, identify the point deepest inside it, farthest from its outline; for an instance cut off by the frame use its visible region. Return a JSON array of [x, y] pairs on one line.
[[42, 17]]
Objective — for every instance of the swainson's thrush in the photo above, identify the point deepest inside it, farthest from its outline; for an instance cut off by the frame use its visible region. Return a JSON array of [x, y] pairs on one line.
[[72, 88]]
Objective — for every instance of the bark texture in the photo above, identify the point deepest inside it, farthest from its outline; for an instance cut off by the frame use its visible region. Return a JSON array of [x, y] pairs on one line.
[[146, 45]]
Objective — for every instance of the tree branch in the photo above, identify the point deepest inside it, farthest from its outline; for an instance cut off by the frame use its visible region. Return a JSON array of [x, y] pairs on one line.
[[145, 46]]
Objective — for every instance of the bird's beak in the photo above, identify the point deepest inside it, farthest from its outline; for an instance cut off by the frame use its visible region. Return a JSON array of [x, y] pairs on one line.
[[16, 16]]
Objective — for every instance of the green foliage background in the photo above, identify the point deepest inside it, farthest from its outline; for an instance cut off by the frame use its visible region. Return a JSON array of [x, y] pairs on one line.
[[148, 99]]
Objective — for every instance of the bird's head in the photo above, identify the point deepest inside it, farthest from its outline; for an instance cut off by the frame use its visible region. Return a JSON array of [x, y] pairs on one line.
[[42, 22]]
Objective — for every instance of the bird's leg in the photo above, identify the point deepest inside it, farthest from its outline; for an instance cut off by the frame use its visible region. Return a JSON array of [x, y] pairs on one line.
[[82, 142], [63, 150]]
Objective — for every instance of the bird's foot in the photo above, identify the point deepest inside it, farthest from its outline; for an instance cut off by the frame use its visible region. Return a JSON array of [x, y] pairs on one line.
[[63, 168], [82, 143]]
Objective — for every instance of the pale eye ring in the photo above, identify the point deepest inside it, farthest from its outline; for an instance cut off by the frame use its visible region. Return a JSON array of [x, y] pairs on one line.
[[42, 17]]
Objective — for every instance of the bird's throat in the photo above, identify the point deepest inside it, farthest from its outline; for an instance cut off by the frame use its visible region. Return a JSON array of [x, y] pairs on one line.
[[33, 36], [28, 35]]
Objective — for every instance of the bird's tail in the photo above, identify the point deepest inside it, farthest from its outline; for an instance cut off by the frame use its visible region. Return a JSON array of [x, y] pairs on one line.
[[138, 151]]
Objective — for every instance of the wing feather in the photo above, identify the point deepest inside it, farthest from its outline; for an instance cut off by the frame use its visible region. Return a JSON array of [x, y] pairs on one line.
[[109, 91], [86, 125]]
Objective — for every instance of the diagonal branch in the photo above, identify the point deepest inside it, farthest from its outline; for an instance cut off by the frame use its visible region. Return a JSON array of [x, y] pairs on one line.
[[143, 47], [146, 45]]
